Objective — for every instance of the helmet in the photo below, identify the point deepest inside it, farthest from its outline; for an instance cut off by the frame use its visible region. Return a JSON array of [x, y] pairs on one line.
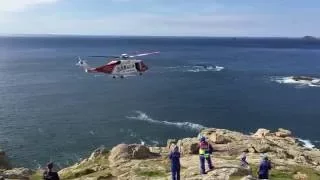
[[50, 165], [203, 138]]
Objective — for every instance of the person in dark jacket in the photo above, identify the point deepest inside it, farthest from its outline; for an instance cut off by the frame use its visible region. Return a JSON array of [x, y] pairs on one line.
[[264, 168], [243, 162], [175, 163], [49, 174], [205, 150]]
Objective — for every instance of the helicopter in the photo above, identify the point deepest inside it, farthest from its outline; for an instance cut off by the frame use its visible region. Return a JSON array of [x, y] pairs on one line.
[[118, 66]]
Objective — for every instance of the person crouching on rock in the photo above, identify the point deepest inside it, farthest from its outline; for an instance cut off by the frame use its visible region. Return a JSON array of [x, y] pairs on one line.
[[175, 163], [205, 150], [49, 174], [243, 162], [264, 168]]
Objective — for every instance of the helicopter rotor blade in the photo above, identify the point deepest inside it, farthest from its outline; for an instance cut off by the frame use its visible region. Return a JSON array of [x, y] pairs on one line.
[[105, 56], [144, 54]]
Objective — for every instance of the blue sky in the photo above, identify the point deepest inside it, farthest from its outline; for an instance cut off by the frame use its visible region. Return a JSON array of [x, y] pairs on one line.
[[289, 18]]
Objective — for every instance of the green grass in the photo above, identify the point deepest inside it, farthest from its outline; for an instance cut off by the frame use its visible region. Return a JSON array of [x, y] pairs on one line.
[[86, 167], [36, 176], [235, 177], [146, 168]]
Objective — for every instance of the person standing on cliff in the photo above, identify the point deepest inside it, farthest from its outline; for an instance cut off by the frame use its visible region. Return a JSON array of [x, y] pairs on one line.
[[264, 168], [205, 150], [49, 174], [175, 163]]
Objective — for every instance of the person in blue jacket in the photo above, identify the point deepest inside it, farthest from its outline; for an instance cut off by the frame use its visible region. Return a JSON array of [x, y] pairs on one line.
[[175, 163], [264, 168]]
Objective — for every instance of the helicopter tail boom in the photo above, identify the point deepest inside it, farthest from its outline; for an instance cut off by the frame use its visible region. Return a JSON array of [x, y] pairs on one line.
[[84, 65]]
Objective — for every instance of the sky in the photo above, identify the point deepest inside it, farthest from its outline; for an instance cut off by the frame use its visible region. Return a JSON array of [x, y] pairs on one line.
[[261, 18]]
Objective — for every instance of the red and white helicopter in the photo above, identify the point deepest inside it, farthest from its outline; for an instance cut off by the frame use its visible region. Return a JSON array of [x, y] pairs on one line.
[[119, 66]]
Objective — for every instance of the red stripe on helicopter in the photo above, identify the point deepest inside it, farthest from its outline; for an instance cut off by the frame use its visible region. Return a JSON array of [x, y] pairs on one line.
[[106, 68]]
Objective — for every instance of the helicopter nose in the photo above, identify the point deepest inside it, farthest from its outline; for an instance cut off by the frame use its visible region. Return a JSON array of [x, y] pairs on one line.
[[144, 67]]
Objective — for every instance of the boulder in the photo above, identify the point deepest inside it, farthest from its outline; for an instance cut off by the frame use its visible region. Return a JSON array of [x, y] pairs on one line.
[[300, 176], [259, 147], [283, 133], [17, 173], [261, 133], [188, 145], [222, 135], [219, 138], [131, 151]]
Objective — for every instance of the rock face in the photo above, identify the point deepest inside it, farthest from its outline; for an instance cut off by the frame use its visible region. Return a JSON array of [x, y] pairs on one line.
[[261, 133], [135, 161], [188, 145], [17, 173], [283, 133], [124, 152]]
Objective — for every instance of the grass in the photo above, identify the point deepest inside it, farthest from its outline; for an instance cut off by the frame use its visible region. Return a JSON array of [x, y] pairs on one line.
[[86, 167], [153, 168], [37, 176]]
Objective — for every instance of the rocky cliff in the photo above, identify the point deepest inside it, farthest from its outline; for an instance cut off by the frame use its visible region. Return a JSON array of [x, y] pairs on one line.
[[290, 160]]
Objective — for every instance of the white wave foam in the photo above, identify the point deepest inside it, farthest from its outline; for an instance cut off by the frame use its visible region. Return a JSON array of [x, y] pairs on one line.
[[142, 142], [306, 143], [197, 68], [155, 143], [186, 125], [315, 82], [204, 68]]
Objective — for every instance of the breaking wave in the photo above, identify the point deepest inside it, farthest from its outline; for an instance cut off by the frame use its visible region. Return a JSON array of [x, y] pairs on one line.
[[314, 82], [197, 68], [306, 143], [141, 116]]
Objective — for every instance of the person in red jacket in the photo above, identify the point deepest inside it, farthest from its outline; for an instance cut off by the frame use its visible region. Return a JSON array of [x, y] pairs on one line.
[[205, 150]]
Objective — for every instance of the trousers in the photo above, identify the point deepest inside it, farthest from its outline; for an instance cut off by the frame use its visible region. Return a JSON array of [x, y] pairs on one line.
[[202, 163], [175, 173]]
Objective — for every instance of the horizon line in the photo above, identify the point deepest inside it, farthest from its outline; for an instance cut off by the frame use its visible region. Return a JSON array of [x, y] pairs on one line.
[[185, 36]]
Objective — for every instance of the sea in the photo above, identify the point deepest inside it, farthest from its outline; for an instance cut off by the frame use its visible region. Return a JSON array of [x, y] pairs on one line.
[[51, 110]]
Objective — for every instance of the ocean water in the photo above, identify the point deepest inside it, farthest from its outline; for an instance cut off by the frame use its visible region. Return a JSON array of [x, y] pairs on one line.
[[51, 110]]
